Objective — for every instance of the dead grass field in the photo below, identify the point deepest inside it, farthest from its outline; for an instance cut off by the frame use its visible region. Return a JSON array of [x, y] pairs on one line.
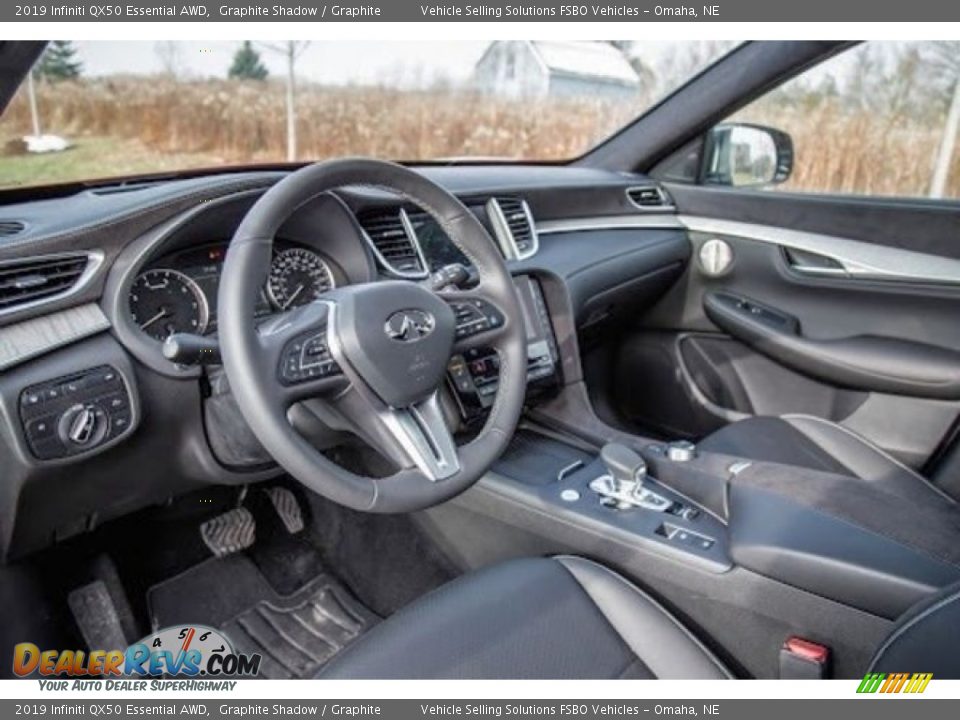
[[124, 125]]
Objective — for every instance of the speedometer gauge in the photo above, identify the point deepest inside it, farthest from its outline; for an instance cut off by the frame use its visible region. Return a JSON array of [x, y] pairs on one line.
[[163, 302], [298, 277]]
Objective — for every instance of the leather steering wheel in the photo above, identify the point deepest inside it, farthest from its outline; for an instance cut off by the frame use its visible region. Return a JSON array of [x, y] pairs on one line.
[[373, 356]]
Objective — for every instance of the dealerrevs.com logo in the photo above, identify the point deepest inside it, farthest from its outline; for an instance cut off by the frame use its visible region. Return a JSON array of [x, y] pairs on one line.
[[186, 651]]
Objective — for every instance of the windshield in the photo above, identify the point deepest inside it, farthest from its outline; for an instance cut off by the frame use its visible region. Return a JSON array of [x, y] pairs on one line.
[[92, 110]]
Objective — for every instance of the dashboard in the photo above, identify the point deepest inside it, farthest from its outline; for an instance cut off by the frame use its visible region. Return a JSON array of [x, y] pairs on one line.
[[95, 422]]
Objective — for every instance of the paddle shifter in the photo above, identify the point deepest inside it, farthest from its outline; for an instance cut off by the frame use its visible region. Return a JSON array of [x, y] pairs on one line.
[[622, 486]]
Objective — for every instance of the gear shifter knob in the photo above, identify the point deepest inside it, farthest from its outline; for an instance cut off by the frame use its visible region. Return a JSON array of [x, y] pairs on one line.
[[623, 464]]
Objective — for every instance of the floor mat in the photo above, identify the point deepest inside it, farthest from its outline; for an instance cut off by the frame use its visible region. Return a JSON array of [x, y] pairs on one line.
[[296, 634]]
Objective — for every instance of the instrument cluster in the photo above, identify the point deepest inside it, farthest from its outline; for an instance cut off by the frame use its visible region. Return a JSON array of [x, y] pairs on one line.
[[178, 293]]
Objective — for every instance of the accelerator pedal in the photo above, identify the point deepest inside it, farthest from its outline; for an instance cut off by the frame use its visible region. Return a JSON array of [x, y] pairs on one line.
[[287, 507], [230, 532]]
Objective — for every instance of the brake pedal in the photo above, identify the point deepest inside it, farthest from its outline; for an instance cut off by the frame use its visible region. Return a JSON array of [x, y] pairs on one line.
[[231, 532], [287, 507]]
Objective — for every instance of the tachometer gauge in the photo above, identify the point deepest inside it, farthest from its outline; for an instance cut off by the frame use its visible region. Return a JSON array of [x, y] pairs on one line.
[[163, 302], [298, 277]]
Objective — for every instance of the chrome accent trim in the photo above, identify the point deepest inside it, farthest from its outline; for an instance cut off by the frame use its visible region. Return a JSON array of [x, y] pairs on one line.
[[860, 260], [501, 228], [94, 261], [663, 221], [566, 471], [822, 271], [422, 432], [628, 494], [665, 207], [414, 241]]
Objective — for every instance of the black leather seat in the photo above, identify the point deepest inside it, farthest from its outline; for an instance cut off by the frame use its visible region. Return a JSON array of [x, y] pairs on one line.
[[563, 617], [567, 617], [812, 442]]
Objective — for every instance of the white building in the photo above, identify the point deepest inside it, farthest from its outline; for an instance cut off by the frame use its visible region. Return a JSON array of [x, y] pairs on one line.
[[537, 69]]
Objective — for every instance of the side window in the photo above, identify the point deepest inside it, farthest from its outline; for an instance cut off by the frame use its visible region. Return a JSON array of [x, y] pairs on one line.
[[880, 119]]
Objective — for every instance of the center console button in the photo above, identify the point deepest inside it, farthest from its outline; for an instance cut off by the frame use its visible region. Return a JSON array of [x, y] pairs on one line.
[[681, 451], [569, 495]]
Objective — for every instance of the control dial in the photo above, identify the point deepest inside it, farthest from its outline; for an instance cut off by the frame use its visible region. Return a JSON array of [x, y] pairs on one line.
[[83, 425]]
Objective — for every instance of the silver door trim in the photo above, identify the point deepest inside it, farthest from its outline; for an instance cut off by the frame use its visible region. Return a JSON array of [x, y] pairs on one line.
[[857, 259], [664, 221]]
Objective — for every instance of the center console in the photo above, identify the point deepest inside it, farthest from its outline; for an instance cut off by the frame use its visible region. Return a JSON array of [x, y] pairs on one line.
[[832, 536], [473, 376]]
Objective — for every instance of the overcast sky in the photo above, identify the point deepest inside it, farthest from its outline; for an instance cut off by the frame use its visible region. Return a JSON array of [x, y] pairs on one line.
[[329, 62]]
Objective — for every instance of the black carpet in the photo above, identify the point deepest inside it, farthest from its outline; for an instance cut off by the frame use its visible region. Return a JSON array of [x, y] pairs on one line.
[[296, 634]]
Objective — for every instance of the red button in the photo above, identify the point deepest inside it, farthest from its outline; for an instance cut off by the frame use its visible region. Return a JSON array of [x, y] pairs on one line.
[[806, 649]]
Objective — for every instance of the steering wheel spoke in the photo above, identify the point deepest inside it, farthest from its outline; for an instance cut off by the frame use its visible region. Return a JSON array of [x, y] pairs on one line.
[[422, 433]]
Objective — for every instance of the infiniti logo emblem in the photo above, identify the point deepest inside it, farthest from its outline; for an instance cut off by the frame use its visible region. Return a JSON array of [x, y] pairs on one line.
[[409, 325]]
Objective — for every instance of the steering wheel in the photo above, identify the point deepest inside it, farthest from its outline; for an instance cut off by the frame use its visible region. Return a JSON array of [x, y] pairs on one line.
[[371, 357]]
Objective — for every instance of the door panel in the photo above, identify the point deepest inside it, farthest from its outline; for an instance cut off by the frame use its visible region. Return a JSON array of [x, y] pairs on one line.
[[862, 333]]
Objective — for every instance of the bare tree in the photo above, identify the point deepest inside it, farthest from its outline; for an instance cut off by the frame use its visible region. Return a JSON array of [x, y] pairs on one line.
[[681, 63], [170, 55], [948, 141], [291, 50], [645, 74], [945, 63]]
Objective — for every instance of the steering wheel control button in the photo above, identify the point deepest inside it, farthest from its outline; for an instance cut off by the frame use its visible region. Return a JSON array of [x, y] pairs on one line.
[[475, 316], [307, 357], [75, 413]]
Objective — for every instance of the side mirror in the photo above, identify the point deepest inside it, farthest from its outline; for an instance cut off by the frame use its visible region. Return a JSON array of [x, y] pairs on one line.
[[743, 155]]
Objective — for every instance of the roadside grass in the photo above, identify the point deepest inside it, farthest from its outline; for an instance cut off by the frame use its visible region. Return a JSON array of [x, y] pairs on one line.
[[95, 157]]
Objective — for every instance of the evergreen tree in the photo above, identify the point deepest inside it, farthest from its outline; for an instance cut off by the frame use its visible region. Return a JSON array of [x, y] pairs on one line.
[[59, 62], [247, 65]]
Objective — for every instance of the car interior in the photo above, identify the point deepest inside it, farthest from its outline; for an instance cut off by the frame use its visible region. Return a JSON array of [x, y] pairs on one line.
[[607, 418]]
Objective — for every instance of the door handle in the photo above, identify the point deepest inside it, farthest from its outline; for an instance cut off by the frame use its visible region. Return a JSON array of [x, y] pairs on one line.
[[805, 262]]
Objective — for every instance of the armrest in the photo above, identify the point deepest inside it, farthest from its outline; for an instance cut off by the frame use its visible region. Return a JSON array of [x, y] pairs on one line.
[[863, 362]]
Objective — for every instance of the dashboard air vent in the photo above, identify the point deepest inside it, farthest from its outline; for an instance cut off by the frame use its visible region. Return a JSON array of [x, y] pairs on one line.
[[389, 234], [11, 227], [27, 281], [647, 197], [514, 225]]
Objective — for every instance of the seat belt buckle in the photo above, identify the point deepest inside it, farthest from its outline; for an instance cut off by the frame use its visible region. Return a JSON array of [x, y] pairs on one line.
[[802, 659]]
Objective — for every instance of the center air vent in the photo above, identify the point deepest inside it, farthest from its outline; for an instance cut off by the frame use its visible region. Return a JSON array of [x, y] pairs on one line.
[[514, 227], [11, 227], [389, 234], [24, 282], [648, 197]]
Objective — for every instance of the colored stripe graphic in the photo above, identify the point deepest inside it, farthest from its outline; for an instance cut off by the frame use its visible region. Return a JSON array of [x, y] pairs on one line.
[[894, 683]]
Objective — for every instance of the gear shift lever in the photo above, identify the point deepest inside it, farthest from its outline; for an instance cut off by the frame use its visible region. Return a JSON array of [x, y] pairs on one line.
[[623, 464], [622, 487]]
